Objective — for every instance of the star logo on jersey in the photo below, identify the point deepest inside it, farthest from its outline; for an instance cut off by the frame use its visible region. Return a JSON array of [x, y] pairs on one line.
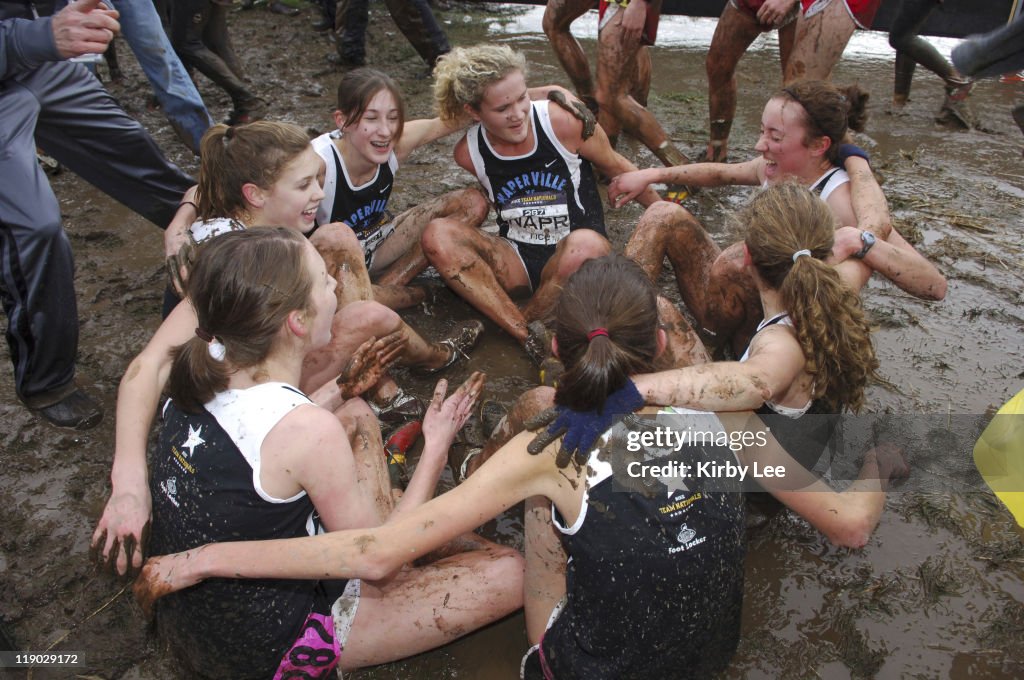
[[194, 439], [674, 483]]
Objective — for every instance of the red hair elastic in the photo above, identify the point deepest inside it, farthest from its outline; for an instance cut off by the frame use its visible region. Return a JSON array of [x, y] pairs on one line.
[[596, 332]]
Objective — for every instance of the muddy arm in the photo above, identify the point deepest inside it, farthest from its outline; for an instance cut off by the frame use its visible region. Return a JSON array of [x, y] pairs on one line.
[[628, 185], [869, 204], [120, 532], [893, 258], [848, 518], [509, 477]]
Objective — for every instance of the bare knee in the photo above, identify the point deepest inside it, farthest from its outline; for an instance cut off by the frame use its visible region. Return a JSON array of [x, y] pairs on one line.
[[438, 239], [365, 318], [664, 220], [473, 205], [335, 238], [578, 247]]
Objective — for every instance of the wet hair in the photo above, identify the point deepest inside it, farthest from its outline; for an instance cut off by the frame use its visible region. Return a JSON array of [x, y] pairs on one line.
[[235, 156], [358, 87], [242, 287], [464, 74], [827, 316], [612, 293], [828, 111]]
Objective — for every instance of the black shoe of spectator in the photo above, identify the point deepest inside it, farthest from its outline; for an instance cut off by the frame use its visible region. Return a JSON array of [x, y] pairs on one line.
[[278, 7], [77, 411]]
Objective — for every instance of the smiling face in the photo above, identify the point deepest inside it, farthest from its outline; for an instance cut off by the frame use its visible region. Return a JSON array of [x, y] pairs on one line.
[[374, 134], [322, 299], [783, 143], [505, 109], [293, 199]]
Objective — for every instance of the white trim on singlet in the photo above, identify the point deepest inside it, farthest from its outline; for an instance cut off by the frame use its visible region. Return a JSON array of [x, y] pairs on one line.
[[248, 416]]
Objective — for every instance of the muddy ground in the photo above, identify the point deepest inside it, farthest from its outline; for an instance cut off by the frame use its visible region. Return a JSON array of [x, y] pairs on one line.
[[937, 593]]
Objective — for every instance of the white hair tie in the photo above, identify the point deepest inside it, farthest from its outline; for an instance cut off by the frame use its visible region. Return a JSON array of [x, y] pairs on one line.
[[801, 253]]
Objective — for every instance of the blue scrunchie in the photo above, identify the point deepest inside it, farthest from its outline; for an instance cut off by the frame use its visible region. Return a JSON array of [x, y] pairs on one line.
[[848, 150], [582, 428]]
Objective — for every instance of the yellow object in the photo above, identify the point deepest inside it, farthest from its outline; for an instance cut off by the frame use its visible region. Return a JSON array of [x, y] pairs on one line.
[[999, 455]]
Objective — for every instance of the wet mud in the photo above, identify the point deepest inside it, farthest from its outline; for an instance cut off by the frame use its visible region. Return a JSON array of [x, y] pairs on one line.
[[938, 591]]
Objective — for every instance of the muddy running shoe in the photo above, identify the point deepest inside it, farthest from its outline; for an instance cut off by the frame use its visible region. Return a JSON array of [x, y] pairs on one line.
[[460, 457], [77, 411], [538, 342], [957, 114], [401, 408], [460, 342], [957, 91], [49, 164], [247, 112], [1014, 77], [491, 414], [395, 449], [677, 193], [551, 370]]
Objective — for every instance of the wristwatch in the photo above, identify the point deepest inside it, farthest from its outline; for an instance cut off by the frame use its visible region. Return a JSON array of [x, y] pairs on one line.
[[868, 240]]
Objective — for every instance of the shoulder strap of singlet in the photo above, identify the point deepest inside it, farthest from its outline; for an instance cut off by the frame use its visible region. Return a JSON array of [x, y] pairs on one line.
[[819, 186], [324, 147]]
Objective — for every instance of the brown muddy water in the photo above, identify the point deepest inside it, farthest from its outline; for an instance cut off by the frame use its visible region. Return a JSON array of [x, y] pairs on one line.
[[938, 592]]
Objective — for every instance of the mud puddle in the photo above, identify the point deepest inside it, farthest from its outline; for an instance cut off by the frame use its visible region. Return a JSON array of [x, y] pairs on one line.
[[937, 593]]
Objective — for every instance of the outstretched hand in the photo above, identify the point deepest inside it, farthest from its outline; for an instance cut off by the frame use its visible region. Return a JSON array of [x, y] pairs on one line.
[[162, 576], [580, 429], [445, 417], [119, 541], [369, 363], [627, 186]]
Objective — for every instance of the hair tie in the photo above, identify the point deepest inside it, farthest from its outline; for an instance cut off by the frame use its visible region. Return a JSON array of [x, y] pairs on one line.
[[229, 133], [214, 346], [596, 332], [801, 253]]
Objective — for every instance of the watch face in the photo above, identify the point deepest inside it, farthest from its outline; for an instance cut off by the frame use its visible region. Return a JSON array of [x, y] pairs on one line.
[[867, 238]]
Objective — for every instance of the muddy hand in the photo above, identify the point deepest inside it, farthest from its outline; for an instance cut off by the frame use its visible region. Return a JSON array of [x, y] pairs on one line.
[[162, 576], [120, 538], [369, 363], [178, 266], [544, 438], [625, 187], [445, 417], [578, 109]]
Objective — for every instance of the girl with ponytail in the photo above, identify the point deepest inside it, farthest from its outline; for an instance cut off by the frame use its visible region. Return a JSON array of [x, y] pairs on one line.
[[263, 174], [804, 135], [245, 455], [653, 581], [812, 350]]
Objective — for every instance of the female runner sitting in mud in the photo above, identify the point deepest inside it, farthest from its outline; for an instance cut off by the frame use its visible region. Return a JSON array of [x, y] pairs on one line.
[[361, 159], [802, 129], [263, 173], [534, 161], [243, 454], [669, 565]]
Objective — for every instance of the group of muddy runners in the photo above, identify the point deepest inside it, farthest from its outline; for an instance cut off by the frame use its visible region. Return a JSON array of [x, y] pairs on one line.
[[279, 544]]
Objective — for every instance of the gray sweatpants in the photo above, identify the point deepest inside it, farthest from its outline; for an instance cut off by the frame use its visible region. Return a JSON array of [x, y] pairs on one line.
[[61, 107]]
